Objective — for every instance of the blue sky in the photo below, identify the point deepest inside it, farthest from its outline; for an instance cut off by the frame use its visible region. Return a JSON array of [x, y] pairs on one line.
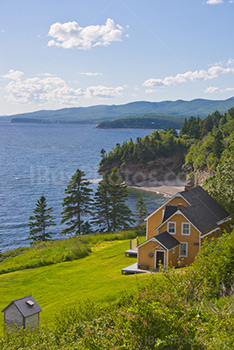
[[73, 53]]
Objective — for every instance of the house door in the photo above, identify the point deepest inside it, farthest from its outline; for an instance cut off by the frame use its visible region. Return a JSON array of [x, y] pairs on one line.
[[159, 258]]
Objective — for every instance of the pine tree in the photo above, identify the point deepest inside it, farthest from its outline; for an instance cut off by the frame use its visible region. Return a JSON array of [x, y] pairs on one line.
[[141, 211], [101, 208], [77, 203], [40, 221], [120, 214]]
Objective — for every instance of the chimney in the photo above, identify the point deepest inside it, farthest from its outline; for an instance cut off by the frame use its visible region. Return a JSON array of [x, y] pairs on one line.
[[180, 206], [187, 188]]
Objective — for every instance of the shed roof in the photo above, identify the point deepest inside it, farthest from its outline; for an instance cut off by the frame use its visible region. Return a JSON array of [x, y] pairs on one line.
[[27, 306], [167, 240]]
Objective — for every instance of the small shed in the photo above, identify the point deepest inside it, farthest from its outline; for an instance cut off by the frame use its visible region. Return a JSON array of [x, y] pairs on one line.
[[22, 312]]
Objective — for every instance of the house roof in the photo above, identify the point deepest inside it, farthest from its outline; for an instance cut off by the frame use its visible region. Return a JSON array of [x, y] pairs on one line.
[[169, 211], [197, 196], [27, 306], [167, 240], [204, 212]]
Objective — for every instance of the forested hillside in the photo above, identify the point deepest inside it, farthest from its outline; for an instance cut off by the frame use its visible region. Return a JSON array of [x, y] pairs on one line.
[[203, 147], [145, 121], [99, 113], [149, 159]]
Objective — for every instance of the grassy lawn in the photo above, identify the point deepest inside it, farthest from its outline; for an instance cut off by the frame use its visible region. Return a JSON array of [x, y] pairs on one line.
[[96, 277]]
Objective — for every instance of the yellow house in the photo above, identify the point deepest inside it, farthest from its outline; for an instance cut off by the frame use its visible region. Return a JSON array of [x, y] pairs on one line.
[[176, 230]]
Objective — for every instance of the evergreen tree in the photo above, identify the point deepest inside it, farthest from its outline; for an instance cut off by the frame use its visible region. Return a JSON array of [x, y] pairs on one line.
[[120, 214], [218, 144], [103, 153], [101, 208], [141, 211], [77, 203], [40, 221], [86, 228]]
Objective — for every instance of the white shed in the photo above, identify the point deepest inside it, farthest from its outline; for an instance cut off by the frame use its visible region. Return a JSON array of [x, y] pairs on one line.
[[22, 312]]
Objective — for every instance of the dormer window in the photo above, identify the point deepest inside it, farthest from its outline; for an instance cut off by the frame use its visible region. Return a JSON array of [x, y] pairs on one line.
[[171, 228], [185, 229]]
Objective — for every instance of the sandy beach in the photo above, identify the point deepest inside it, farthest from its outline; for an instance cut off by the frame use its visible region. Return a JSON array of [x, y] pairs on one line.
[[166, 191]]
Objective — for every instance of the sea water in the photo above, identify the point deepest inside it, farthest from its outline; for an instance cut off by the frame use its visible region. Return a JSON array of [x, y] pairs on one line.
[[39, 159]]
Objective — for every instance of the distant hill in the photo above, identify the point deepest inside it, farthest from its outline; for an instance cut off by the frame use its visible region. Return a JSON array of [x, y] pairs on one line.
[[97, 114], [146, 121]]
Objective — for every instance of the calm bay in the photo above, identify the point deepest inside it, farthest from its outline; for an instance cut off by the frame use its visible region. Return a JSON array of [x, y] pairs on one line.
[[38, 159]]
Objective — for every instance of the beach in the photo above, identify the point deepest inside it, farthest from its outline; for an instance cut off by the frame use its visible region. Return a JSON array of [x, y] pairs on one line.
[[166, 191]]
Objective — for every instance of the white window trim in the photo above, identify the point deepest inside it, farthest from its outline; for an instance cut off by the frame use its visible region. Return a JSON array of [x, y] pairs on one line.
[[171, 222], [184, 256], [182, 229]]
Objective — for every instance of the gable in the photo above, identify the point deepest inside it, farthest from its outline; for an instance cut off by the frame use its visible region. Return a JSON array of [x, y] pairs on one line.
[[177, 217], [175, 200]]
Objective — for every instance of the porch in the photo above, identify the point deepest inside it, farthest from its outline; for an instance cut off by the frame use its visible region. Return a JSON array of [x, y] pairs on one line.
[[132, 252], [133, 269]]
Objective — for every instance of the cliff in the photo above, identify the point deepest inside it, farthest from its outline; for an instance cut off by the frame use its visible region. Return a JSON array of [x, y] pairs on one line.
[[158, 172]]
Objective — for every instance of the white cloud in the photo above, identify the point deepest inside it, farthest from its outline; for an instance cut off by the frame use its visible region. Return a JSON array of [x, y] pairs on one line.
[[89, 73], [214, 2], [211, 73], [70, 35], [104, 91], [214, 90], [230, 62], [46, 88], [13, 75]]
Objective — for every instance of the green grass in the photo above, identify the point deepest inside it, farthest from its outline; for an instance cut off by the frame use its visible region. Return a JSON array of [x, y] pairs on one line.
[[53, 252], [96, 277]]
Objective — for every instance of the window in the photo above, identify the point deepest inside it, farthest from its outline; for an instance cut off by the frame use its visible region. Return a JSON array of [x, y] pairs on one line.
[[185, 229], [184, 250], [171, 228]]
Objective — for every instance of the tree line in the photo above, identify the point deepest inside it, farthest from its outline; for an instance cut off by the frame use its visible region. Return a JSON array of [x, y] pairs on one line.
[[207, 144], [158, 144], [107, 208]]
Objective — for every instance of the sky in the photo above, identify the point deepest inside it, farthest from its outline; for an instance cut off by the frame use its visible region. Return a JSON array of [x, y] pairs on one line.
[[78, 53]]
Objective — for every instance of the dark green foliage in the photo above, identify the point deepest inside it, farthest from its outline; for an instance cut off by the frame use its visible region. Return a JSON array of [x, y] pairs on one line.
[[110, 211], [77, 203], [141, 211], [156, 145], [119, 214], [147, 121], [191, 127], [86, 228], [217, 139], [102, 205], [221, 185], [40, 221]]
